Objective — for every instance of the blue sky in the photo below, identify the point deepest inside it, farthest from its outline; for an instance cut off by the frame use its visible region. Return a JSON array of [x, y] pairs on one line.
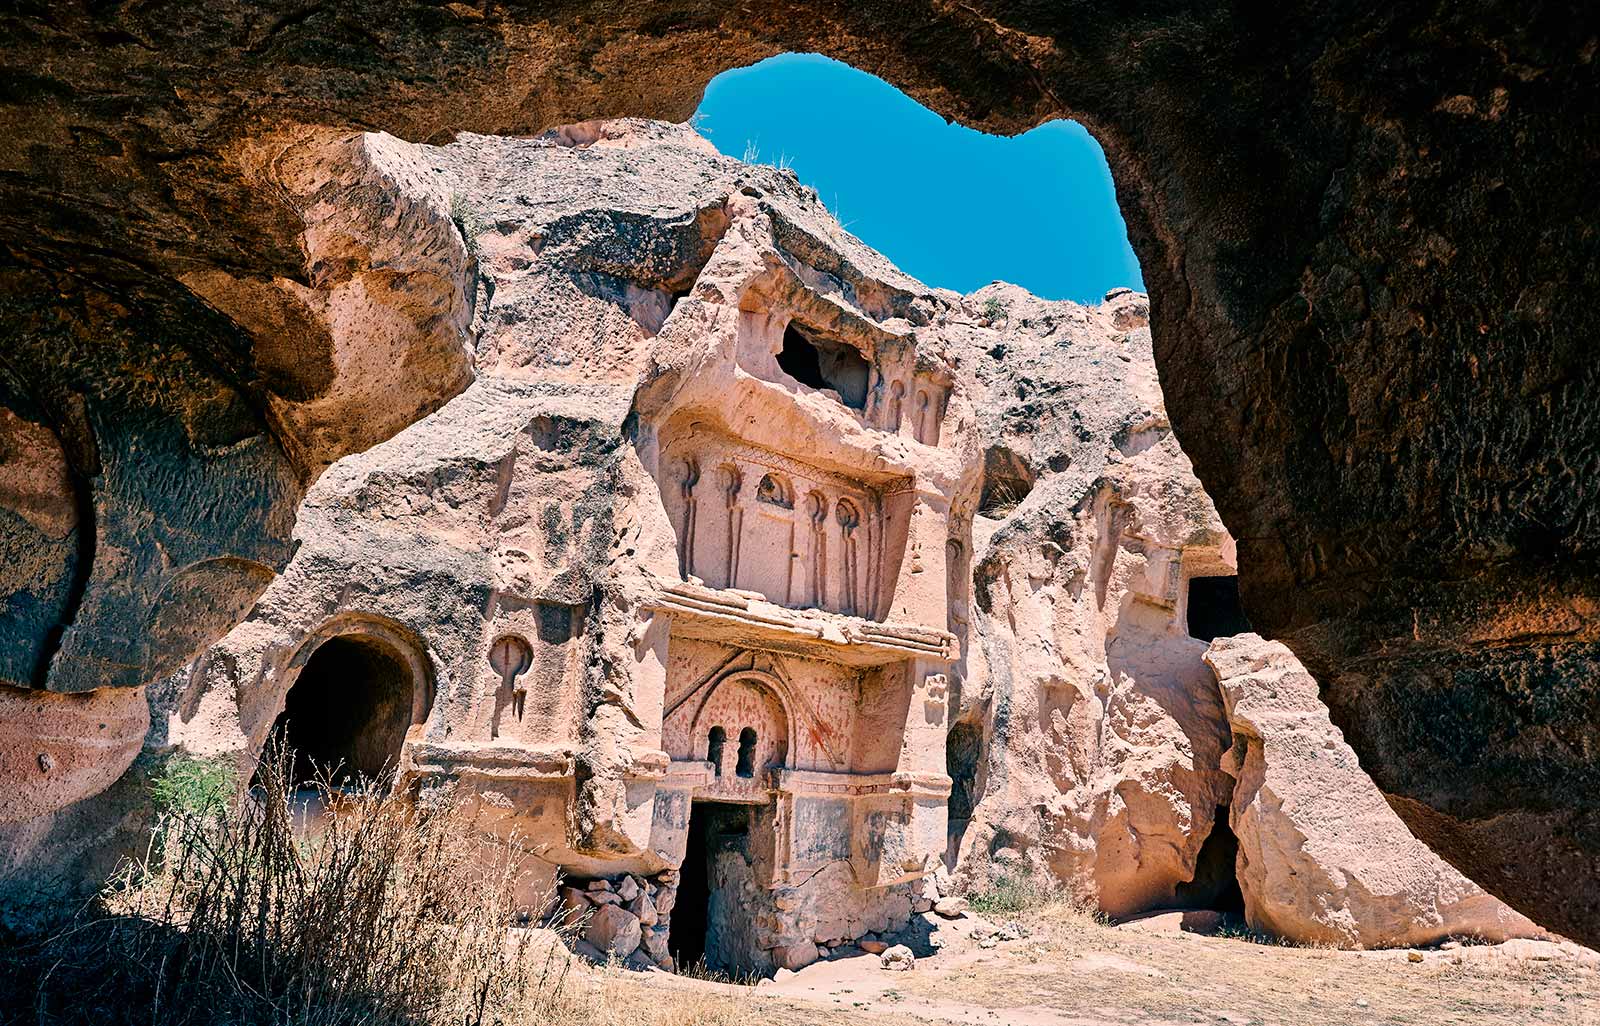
[[954, 207]]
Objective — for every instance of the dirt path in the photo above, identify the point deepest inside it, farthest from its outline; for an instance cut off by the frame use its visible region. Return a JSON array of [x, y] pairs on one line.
[[1076, 972]]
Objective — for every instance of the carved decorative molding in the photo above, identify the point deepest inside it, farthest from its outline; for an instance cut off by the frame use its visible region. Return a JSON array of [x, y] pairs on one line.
[[737, 619]]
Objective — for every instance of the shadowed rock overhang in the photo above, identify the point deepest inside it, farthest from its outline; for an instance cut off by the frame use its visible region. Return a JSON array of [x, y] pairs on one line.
[[1367, 232]]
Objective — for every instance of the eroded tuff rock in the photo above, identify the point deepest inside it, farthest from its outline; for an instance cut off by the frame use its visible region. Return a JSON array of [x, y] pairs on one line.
[[750, 580], [666, 585], [1103, 732], [1323, 859], [1367, 232]]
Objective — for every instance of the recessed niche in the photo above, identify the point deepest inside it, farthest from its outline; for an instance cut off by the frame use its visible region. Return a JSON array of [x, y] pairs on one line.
[[1007, 480], [345, 718], [824, 363], [1214, 609]]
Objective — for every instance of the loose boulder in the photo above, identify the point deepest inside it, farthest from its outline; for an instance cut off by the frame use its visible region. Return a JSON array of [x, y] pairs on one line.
[[1323, 859], [614, 930]]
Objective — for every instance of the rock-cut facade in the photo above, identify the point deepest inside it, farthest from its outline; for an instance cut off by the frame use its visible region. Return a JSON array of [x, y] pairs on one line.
[[755, 592]]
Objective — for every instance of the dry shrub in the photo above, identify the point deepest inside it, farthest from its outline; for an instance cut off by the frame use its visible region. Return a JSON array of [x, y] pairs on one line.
[[395, 913]]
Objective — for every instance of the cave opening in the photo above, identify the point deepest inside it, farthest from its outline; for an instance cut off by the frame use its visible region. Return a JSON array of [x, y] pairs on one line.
[[713, 919], [1007, 481], [1215, 885], [822, 363], [347, 713], [1213, 608], [963, 751]]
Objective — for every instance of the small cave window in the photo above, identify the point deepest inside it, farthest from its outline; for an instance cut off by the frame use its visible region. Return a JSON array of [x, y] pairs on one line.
[[823, 363], [1007, 480], [775, 491], [347, 713], [1214, 609], [963, 750], [747, 753], [714, 746]]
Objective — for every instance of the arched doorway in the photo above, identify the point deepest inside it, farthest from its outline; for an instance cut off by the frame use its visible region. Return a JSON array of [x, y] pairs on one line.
[[742, 728], [348, 711]]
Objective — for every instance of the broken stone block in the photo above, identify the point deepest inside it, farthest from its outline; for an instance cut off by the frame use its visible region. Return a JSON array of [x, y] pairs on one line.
[[950, 908], [643, 909], [872, 947], [627, 888], [795, 956], [654, 944], [898, 959], [664, 899], [600, 884], [1323, 858], [614, 930], [587, 950], [574, 903]]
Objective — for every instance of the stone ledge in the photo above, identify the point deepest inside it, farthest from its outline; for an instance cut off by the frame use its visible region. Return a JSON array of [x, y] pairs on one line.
[[712, 614]]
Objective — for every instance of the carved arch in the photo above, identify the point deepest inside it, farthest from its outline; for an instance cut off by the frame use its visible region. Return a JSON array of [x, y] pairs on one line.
[[771, 683], [395, 636]]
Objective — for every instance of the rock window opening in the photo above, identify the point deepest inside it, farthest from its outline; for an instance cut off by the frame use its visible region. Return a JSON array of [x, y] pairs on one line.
[[347, 713], [823, 363], [1215, 885], [963, 750], [711, 925], [1214, 610], [714, 746], [747, 753], [775, 491], [1007, 480]]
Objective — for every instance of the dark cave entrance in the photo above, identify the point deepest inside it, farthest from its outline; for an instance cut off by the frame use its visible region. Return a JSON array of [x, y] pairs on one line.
[[963, 750], [710, 908], [1216, 877], [1214, 609], [1007, 480], [348, 711], [823, 363]]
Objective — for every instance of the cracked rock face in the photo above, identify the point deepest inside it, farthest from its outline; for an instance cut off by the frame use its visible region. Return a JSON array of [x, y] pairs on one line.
[[1102, 734], [1367, 235], [1323, 859]]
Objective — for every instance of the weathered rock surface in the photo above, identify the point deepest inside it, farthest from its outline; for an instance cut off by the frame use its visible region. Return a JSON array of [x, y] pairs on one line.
[[1323, 859], [1367, 232], [614, 931], [523, 569], [1099, 729]]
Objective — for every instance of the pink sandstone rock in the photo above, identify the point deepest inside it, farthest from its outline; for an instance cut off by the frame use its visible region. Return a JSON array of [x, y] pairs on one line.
[[738, 526], [1322, 857], [1103, 774], [613, 930], [60, 749]]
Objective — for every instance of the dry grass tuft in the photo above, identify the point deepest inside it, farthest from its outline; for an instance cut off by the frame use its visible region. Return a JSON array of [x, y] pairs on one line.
[[396, 913]]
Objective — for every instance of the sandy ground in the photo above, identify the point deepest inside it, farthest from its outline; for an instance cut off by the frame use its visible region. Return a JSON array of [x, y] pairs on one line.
[[1072, 971]]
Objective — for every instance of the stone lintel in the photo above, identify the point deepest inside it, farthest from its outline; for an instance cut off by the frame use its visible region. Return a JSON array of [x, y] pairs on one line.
[[731, 617], [519, 762]]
